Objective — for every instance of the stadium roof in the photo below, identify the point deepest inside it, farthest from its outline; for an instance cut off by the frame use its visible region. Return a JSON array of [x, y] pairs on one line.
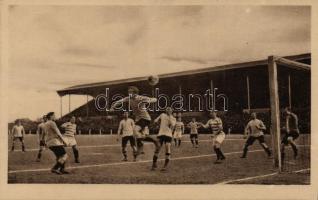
[[85, 88]]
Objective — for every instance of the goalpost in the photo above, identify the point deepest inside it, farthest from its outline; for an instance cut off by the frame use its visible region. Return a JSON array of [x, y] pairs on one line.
[[274, 102]]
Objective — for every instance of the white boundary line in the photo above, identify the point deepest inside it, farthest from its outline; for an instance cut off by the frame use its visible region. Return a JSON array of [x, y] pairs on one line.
[[118, 145], [126, 163], [256, 177], [245, 179], [302, 170]]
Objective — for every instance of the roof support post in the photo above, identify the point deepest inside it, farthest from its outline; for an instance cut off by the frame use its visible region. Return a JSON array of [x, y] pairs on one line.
[[248, 93], [87, 107]]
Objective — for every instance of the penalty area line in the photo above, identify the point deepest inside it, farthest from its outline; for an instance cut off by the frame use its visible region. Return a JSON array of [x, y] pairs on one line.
[[127, 163]]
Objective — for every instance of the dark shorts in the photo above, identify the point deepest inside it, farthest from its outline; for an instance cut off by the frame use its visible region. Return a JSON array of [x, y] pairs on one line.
[[250, 140], [125, 140], [294, 134], [164, 139], [18, 138], [193, 136], [143, 123], [42, 143], [58, 151], [148, 138]]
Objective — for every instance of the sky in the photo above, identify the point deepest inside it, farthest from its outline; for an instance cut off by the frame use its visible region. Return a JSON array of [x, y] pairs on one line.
[[54, 47]]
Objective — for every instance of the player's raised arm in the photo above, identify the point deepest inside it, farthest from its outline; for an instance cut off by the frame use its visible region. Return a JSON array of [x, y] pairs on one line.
[[207, 125], [119, 102], [147, 99]]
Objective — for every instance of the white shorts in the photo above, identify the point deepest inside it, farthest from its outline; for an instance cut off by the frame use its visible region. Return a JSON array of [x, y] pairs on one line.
[[70, 141], [177, 135], [219, 138]]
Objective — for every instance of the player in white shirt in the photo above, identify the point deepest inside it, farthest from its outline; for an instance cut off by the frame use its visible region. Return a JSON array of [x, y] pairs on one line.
[[216, 127], [69, 136], [254, 129], [138, 105], [41, 137], [178, 132], [126, 129], [56, 142], [194, 126], [18, 133], [167, 123]]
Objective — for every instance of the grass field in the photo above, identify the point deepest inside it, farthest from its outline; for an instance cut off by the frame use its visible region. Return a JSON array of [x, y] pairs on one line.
[[101, 163]]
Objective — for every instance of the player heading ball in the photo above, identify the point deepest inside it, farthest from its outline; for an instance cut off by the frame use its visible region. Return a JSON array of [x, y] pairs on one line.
[[137, 104]]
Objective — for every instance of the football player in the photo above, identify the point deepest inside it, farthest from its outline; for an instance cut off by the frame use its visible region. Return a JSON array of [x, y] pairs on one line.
[[178, 132], [194, 126], [69, 136], [56, 142], [41, 136], [18, 133], [216, 126], [254, 129], [126, 129], [167, 123], [291, 132]]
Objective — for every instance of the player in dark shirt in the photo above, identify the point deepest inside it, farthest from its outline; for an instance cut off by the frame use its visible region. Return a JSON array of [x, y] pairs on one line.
[[291, 132]]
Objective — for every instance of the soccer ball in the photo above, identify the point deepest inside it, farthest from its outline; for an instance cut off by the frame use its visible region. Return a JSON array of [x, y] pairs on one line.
[[153, 80]]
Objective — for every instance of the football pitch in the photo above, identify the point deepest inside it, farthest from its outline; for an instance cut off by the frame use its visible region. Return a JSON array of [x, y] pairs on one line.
[[100, 157]]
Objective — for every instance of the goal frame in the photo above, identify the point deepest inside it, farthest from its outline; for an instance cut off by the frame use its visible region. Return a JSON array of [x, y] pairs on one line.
[[273, 62]]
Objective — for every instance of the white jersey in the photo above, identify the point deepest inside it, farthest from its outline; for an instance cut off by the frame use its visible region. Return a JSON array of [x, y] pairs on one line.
[[166, 124], [41, 131], [70, 129], [193, 127], [53, 134], [215, 125], [179, 126], [126, 126], [255, 128], [18, 131], [138, 106]]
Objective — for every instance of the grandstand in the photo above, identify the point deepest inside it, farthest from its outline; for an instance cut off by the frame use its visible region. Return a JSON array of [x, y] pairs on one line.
[[249, 87], [246, 86]]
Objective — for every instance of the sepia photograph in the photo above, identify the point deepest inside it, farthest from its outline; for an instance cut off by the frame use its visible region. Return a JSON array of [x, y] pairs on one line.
[[158, 94]]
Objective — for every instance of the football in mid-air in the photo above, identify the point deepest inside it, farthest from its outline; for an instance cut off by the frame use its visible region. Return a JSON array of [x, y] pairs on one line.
[[153, 80]]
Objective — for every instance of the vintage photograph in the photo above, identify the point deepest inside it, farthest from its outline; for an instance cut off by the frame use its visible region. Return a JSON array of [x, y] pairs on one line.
[[159, 94]]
